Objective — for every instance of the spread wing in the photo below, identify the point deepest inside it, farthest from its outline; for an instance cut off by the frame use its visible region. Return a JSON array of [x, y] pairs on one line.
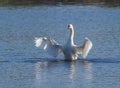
[[49, 45], [85, 48]]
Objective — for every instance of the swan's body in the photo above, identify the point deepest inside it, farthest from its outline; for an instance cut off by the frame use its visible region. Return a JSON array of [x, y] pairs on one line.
[[70, 50]]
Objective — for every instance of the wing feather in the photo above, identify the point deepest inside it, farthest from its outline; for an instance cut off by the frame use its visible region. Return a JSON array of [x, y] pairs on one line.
[[49, 45], [85, 48]]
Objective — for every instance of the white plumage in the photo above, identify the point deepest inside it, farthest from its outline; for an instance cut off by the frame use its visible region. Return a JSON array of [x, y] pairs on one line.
[[70, 50]]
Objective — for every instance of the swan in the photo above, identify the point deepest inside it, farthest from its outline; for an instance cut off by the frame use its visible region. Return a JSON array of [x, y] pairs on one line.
[[69, 49]]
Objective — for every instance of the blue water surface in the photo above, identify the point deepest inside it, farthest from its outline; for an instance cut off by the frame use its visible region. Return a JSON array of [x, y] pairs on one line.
[[22, 65]]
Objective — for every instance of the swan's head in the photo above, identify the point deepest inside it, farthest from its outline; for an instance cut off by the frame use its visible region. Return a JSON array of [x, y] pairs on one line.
[[70, 26]]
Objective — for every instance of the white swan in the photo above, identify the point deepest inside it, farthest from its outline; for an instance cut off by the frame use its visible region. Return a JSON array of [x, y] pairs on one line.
[[70, 50]]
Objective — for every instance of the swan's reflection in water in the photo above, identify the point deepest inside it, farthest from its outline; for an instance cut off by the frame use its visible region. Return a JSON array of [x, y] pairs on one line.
[[88, 70], [63, 73], [39, 66], [85, 67], [72, 70]]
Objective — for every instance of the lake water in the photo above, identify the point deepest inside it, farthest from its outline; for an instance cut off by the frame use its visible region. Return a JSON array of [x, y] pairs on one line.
[[22, 65]]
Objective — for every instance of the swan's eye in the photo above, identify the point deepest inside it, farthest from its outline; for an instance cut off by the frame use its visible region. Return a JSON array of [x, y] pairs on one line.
[[68, 26]]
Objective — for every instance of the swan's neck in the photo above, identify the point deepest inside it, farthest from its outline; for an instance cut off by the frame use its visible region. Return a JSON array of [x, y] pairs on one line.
[[71, 36]]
